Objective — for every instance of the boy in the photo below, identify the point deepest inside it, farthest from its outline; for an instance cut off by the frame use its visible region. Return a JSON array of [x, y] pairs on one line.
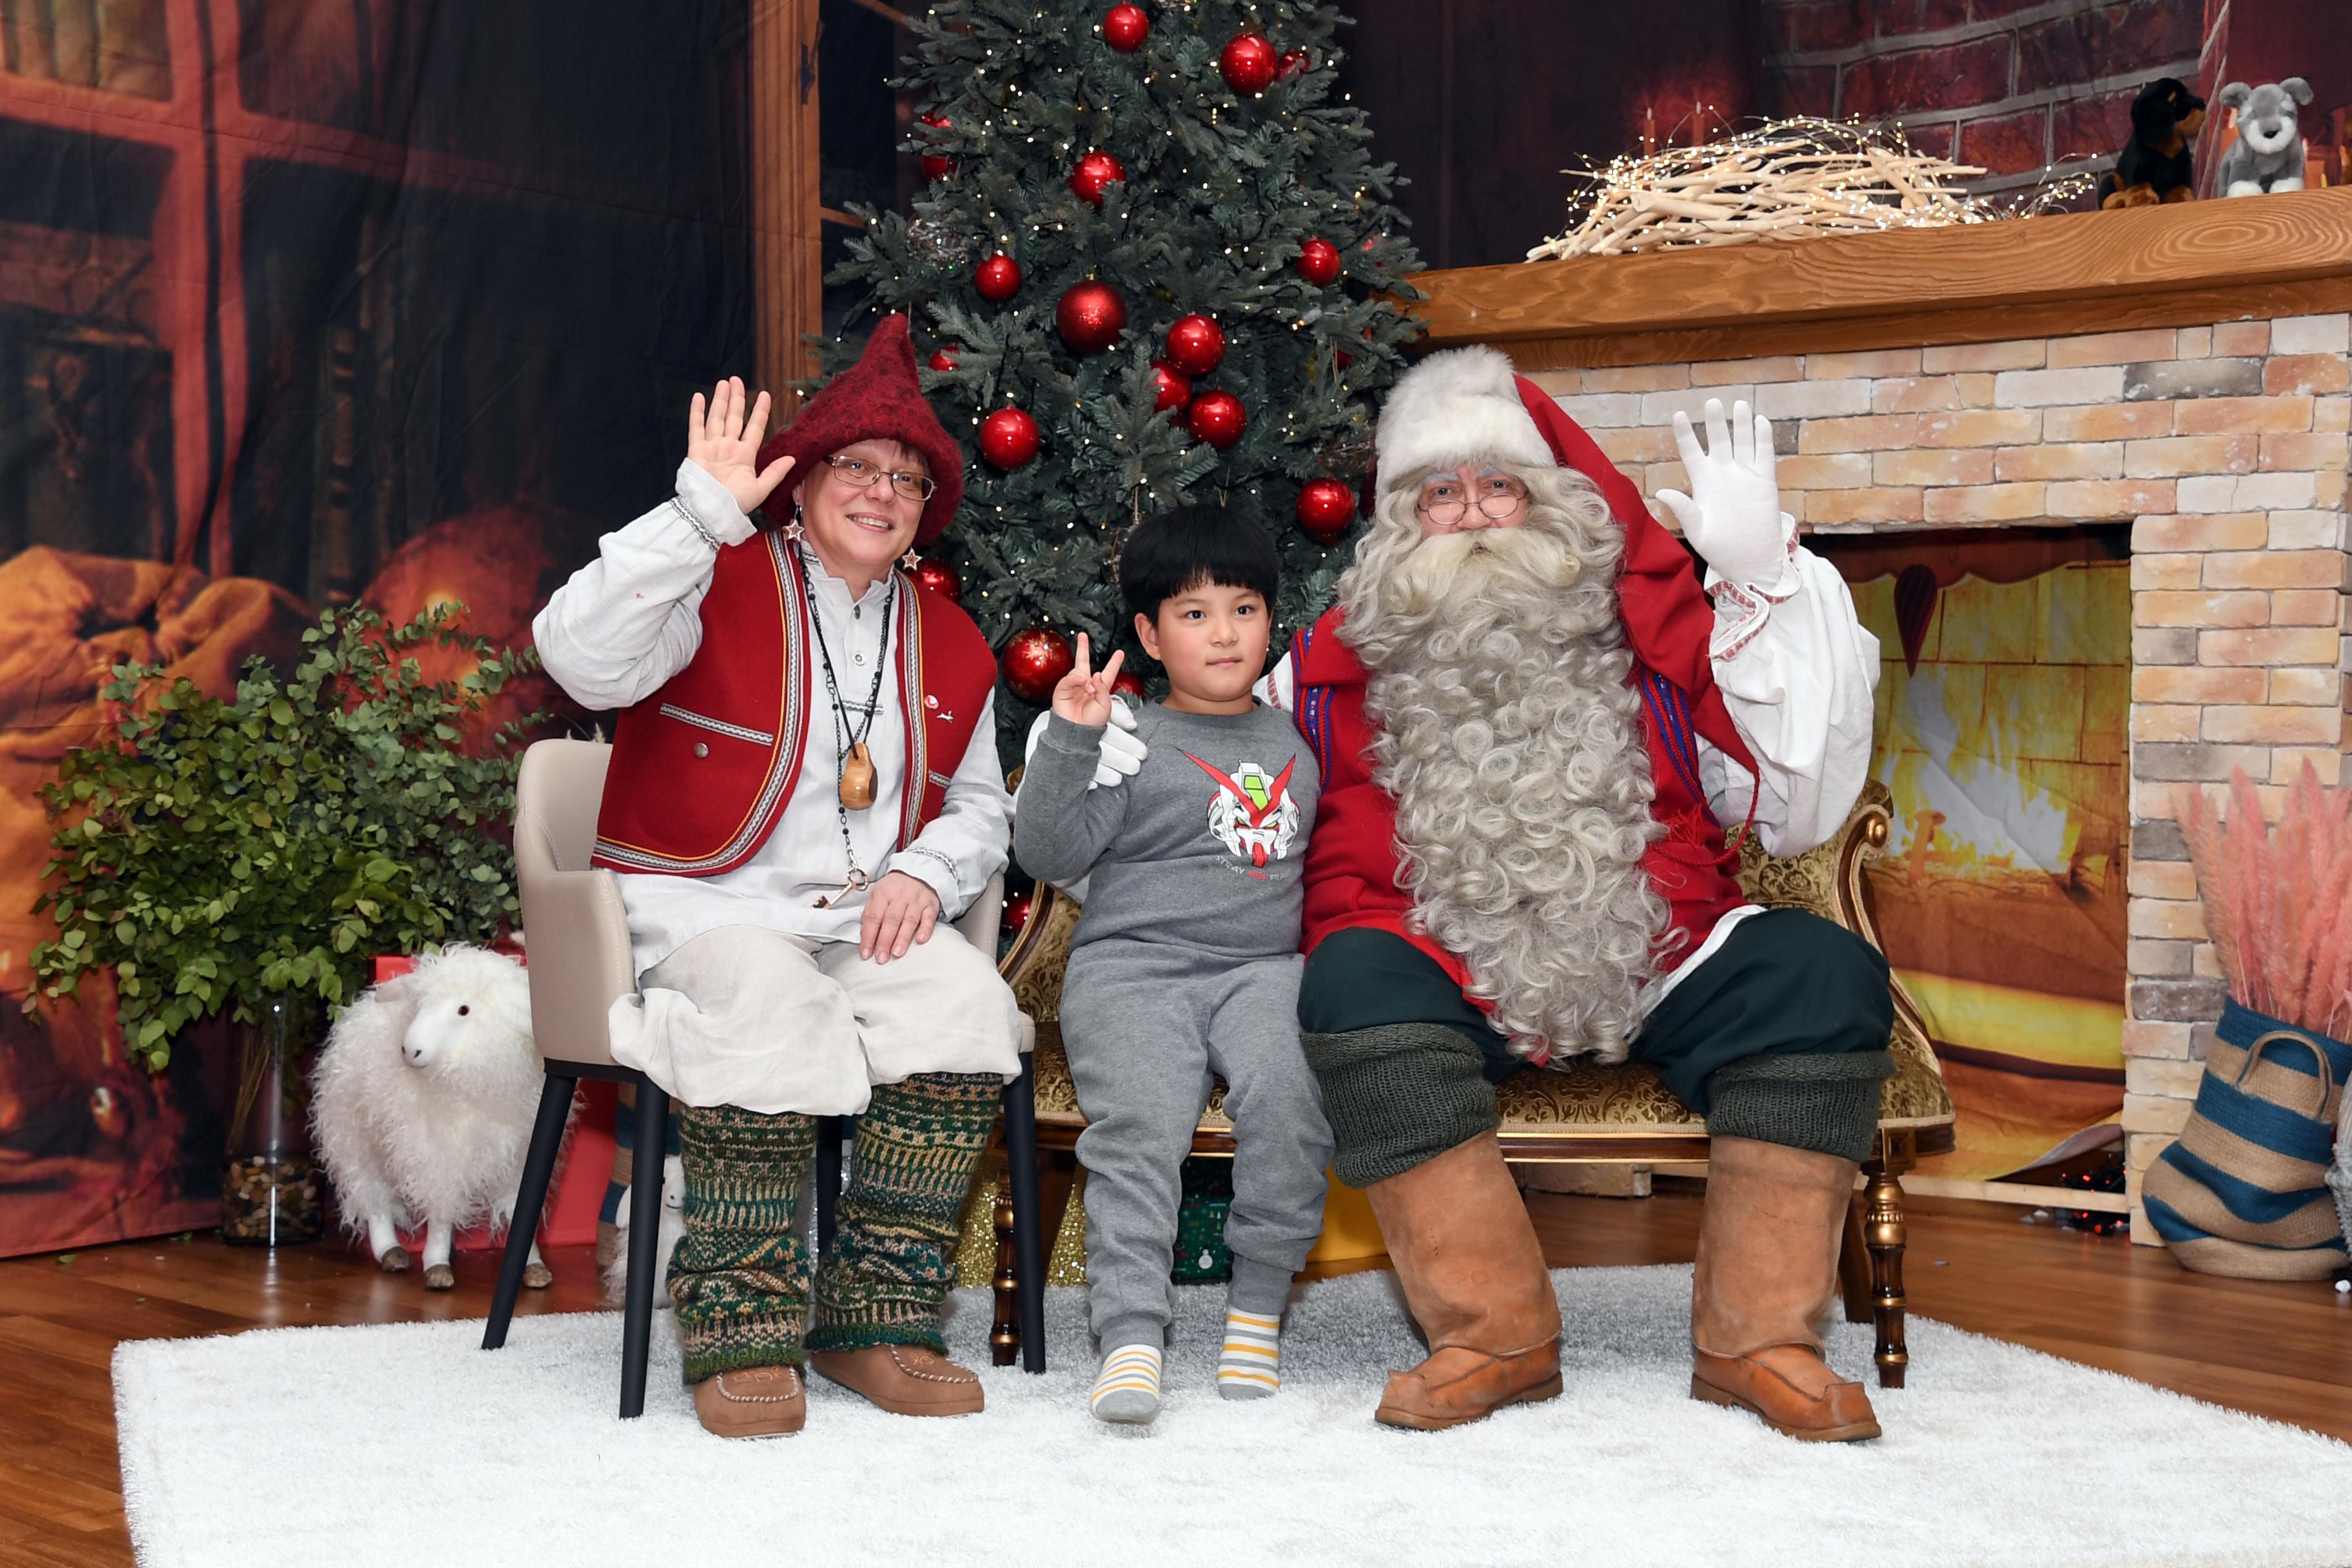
[[1185, 963]]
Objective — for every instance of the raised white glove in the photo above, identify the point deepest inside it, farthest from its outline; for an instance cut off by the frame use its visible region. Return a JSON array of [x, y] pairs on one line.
[[1732, 516], [1122, 753]]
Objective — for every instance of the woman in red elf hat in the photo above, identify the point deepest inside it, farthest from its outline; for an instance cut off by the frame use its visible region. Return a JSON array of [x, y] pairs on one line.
[[804, 790]]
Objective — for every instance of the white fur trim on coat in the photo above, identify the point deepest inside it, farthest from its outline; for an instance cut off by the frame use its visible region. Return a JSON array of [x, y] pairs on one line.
[[1453, 406]]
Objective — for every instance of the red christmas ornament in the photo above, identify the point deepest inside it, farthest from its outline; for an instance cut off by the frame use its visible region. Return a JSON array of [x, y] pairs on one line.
[[943, 357], [940, 578], [1008, 438], [1018, 907], [1326, 507], [1248, 63], [1169, 390], [1218, 418], [1196, 345], [1090, 316], [1293, 62], [1033, 662], [1095, 171], [1318, 262], [998, 278], [936, 167], [1129, 684], [1125, 27]]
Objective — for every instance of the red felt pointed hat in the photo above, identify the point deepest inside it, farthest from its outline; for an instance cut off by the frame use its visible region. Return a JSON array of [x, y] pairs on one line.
[[878, 398]]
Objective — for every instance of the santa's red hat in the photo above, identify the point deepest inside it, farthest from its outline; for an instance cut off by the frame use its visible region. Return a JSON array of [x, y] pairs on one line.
[[1466, 404], [878, 398]]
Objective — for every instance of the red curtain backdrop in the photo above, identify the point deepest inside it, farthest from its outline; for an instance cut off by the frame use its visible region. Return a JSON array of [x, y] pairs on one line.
[[303, 302]]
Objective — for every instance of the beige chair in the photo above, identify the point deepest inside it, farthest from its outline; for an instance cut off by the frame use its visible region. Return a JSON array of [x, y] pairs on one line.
[[1580, 1112], [579, 967]]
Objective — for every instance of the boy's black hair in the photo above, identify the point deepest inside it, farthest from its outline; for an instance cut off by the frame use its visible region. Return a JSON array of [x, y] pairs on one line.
[[1166, 555]]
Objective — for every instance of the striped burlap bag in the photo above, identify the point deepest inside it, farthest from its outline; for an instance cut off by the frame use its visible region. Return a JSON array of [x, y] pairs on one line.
[[2244, 1191]]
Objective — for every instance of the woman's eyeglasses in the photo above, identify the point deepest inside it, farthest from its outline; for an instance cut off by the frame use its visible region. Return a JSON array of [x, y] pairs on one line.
[[859, 474]]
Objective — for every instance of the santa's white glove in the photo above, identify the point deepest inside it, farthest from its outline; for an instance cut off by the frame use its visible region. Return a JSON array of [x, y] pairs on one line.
[[1732, 516], [1122, 753]]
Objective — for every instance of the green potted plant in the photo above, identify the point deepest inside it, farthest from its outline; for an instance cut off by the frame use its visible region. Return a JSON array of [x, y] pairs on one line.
[[251, 856]]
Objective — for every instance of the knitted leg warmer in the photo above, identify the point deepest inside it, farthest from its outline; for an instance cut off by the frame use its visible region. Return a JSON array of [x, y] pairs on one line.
[[892, 1258], [1399, 1094], [1827, 1104], [740, 1277]]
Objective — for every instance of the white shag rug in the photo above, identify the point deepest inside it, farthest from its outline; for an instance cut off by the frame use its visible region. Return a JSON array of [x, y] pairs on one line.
[[409, 1445]]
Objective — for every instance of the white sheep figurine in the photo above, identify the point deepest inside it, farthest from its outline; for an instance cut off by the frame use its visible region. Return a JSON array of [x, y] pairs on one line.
[[666, 1239], [423, 1106]]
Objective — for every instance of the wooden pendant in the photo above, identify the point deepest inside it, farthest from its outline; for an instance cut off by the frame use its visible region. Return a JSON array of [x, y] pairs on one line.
[[857, 778]]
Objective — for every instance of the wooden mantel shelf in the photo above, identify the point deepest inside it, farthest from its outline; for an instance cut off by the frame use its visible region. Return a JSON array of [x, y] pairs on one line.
[[2288, 254]]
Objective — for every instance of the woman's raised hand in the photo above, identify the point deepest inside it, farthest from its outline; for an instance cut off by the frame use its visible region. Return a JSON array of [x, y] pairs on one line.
[[1085, 698], [724, 442]]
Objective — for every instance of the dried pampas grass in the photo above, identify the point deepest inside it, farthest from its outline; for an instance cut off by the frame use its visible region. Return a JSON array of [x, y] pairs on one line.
[[2278, 902]]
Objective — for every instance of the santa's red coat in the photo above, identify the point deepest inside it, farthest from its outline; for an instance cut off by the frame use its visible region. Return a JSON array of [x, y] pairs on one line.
[[702, 768], [1351, 859]]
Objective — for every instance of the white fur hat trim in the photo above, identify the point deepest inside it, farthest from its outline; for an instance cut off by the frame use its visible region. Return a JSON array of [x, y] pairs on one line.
[[1453, 406]]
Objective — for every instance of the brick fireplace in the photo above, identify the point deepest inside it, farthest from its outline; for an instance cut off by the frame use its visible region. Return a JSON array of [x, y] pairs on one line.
[[2001, 379]]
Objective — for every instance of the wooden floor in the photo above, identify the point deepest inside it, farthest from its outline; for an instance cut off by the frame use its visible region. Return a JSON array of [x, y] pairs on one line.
[[2279, 1350]]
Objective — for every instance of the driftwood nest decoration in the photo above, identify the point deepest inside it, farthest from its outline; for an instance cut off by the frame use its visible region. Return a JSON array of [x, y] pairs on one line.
[[1789, 179]]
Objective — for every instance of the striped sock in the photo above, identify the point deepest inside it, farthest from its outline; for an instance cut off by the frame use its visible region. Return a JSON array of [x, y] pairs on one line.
[[1126, 1389], [1251, 1364]]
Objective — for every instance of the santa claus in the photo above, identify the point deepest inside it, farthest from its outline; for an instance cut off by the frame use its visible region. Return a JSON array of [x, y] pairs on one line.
[[1535, 728]]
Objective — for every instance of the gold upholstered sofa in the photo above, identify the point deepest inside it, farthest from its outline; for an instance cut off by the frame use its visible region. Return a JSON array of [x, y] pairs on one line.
[[1578, 1112]]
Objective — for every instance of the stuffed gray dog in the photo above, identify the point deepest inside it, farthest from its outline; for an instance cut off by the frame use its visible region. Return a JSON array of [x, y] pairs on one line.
[[2268, 153]]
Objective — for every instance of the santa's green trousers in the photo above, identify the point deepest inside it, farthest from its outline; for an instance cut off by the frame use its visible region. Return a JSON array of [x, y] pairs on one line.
[[741, 1278], [1779, 1035]]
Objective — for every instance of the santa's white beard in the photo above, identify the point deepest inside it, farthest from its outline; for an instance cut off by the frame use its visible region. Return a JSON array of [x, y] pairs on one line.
[[1511, 742]]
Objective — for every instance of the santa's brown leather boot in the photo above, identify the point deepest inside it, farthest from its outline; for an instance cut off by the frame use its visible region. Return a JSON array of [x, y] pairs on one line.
[[1767, 1254], [1473, 1277]]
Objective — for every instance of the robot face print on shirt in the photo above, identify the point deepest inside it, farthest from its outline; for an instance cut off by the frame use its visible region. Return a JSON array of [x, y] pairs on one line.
[[1251, 813]]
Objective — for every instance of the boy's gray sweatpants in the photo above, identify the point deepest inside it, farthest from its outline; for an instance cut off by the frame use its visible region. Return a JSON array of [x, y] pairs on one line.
[[1145, 1025]]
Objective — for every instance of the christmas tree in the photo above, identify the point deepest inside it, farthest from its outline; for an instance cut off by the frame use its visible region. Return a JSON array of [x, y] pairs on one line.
[[1154, 264]]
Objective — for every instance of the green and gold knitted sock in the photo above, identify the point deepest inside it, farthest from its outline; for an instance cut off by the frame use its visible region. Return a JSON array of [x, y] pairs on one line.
[[740, 1278], [893, 1256]]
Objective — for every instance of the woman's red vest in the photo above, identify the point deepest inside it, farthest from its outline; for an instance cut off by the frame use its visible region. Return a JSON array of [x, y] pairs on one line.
[[702, 768]]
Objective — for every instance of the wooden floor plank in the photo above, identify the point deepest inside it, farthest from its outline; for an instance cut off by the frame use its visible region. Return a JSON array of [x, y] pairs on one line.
[[2279, 1350]]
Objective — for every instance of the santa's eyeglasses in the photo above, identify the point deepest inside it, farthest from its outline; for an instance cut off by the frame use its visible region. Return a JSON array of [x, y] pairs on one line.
[[1448, 502], [859, 474]]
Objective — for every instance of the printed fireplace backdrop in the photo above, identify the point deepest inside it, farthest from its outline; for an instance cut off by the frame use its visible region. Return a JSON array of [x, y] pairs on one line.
[[303, 302], [2003, 697]]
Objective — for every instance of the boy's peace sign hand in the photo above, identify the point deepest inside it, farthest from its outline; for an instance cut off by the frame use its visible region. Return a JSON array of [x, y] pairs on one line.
[[1085, 698]]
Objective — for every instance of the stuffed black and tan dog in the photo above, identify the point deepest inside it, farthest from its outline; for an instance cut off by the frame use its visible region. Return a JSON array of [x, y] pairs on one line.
[[2154, 166]]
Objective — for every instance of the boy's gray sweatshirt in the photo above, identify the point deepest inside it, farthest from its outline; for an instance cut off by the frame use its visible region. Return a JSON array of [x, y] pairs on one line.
[[1204, 847]]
